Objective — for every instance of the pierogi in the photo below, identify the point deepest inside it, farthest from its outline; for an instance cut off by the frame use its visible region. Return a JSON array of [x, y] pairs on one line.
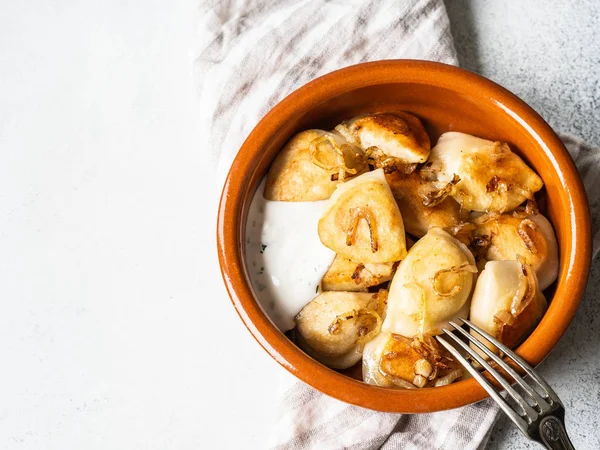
[[431, 287], [480, 175], [421, 237], [507, 302], [363, 221], [400, 135], [310, 167], [334, 326]]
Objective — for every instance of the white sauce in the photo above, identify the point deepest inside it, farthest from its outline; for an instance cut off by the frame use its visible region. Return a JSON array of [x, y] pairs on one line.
[[284, 256]]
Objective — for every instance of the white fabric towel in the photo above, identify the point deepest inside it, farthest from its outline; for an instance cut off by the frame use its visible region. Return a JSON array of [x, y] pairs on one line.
[[251, 54]]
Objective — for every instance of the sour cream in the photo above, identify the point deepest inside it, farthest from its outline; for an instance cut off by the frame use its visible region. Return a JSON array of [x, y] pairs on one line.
[[284, 256]]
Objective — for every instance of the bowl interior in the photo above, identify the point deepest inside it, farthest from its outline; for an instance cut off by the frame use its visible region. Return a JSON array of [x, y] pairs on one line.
[[445, 99]]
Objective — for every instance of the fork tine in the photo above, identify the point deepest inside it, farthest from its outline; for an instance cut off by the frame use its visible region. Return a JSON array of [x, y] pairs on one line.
[[529, 412], [508, 410], [518, 360], [539, 401]]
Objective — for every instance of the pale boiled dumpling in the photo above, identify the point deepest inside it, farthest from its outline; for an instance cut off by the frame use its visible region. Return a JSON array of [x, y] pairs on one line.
[[507, 301], [431, 286], [400, 135], [310, 167], [391, 360], [418, 218], [362, 221], [532, 238], [492, 177], [347, 275], [334, 326]]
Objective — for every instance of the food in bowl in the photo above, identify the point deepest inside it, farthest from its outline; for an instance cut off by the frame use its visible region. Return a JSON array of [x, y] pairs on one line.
[[344, 279]]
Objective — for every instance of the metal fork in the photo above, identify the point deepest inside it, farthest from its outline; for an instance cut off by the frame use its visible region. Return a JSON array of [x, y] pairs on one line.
[[541, 417]]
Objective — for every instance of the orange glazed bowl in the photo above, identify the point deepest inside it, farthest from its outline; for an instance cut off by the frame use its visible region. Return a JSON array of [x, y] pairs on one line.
[[445, 98]]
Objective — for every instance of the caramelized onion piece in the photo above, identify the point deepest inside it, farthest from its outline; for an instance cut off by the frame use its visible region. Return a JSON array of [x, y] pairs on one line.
[[343, 130], [365, 332], [379, 160], [432, 197], [340, 159], [499, 201], [460, 228], [487, 217], [358, 214], [454, 269], [356, 274], [500, 151], [428, 348], [522, 298], [530, 209], [430, 170], [524, 234], [520, 302]]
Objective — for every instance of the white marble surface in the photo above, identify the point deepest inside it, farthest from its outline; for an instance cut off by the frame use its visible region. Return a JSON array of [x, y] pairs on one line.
[[108, 277], [548, 53]]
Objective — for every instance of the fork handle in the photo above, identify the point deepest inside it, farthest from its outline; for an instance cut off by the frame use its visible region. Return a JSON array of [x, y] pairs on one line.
[[553, 434]]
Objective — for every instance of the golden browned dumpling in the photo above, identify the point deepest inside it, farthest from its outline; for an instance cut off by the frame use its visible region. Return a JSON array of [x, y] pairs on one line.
[[347, 275], [418, 218], [481, 175], [431, 286], [507, 302], [399, 135], [310, 167], [362, 221], [334, 326], [531, 238], [391, 360]]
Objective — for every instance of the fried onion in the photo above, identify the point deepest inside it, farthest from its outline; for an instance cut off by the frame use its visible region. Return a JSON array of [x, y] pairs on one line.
[[530, 209], [428, 348], [457, 288], [364, 334], [379, 160], [522, 299], [432, 196], [525, 236], [358, 214], [340, 167]]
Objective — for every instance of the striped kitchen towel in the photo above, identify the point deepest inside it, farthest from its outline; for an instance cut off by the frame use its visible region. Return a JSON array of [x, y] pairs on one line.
[[253, 53]]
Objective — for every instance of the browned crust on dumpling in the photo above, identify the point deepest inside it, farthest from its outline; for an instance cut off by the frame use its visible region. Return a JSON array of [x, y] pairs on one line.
[[405, 128], [294, 176], [418, 219], [347, 275], [365, 224]]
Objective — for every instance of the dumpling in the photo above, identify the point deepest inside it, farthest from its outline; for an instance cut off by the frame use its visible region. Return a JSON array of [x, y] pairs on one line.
[[334, 326], [418, 218], [391, 360], [431, 287], [481, 175], [362, 221], [507, 302], [531, 237], [310, 167], [400, 135], [347, 275]]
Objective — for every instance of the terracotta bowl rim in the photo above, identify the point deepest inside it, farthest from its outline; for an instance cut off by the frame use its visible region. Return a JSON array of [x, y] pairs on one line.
[[230, 228]]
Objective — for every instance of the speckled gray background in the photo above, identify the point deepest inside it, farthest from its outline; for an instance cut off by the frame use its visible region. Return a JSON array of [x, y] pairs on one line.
[[548, 53]]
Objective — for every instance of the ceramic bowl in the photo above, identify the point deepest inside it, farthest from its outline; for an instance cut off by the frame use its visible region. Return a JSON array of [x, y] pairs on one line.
[[445, 98]]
